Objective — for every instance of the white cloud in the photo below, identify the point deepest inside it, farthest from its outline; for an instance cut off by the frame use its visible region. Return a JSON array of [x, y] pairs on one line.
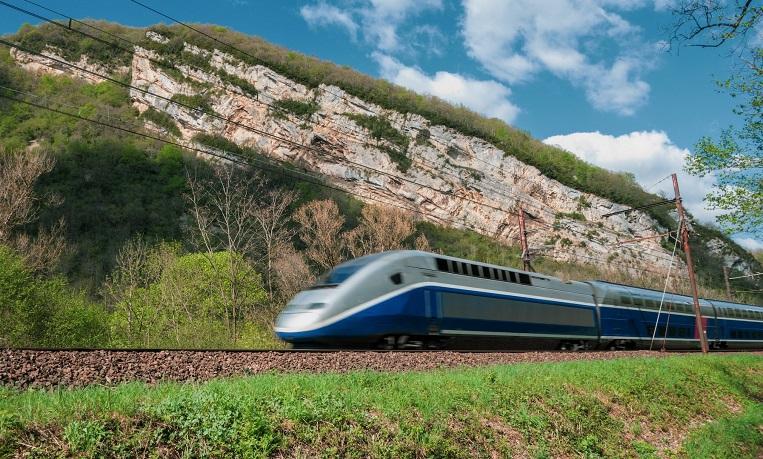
[[649, 156], [328, 15], [516, 40], [484, 96], [378, 20], [749, 243]]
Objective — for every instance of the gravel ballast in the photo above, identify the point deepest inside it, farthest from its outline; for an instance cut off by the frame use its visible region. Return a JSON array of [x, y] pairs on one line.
[[48, 369]]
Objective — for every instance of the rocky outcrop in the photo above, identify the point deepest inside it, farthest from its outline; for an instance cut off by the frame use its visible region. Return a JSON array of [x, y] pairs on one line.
[[453, 179]]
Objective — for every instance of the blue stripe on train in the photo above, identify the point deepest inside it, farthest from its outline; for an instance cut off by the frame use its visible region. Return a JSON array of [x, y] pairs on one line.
[[627, 322], [406, 314], [630, 323]]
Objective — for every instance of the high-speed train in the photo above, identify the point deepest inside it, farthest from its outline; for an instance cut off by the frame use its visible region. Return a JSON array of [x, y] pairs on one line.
[[414, 299]]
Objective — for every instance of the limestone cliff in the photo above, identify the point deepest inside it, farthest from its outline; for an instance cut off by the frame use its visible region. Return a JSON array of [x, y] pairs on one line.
[[450, 178]]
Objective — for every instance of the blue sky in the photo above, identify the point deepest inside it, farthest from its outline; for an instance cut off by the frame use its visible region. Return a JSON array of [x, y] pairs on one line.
[[592, 76]]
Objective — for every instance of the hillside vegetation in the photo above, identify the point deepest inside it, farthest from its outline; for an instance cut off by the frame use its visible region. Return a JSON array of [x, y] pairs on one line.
[[684, 407], [132, 256]]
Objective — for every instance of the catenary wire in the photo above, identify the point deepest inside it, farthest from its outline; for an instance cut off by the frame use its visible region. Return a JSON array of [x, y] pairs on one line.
[[555, 214], [231, 157], [519, 197]]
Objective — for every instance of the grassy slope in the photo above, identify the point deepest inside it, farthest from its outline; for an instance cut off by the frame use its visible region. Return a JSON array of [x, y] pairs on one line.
[[688, 406]]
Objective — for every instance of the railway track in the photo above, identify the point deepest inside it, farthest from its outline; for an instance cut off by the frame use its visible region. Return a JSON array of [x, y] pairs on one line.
[[48, 368]]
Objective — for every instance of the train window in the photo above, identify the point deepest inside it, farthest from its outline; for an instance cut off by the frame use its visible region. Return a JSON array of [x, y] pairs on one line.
[[396, 278], [637, 301], [512, 277], [442, 264], [475, 271], [496, 275], [464, 269], [524, 279], [503, 275], [625, 300]]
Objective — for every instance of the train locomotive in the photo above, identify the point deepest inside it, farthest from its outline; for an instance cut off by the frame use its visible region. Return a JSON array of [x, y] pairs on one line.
[[418, 300]]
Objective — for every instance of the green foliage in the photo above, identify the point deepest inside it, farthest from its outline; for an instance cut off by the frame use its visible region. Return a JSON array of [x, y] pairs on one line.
[[110, 191], [380, 129], [248, 88], [422, 137], [188, 302], [304, 110], [401, 160], [733, 437], [199, 61], [45, 312], [469, 245], [634, 407], [735, 160], [72, 45], [84, 436], [571, 215], [163, 120], [219, 142], [201, 101], [108, 93]]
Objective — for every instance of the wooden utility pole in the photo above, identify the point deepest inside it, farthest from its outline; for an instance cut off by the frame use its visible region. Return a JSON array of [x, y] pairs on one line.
[[523, 241], [726, 278], [684, 229]]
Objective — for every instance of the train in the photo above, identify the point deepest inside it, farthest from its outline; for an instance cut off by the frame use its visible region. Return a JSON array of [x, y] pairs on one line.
[[410, 299]]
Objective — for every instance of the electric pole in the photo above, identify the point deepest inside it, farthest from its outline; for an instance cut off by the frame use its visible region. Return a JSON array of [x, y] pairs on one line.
[[684, 229], [523, 241], [726, 278]]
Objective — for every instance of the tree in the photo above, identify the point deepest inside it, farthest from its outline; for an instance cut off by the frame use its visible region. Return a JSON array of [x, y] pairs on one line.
[[138, 265], [20, 205], [234, 212], [380, 229], [273, 217], [292, 274], [320, 230], [735, 158]]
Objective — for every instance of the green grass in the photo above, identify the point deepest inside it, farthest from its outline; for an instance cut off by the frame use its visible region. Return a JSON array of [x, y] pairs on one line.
[[635, 407], [732, 437]]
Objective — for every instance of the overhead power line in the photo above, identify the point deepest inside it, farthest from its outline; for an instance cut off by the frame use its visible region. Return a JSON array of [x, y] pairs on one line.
[[232, 158], [236, 49], [555, 214]]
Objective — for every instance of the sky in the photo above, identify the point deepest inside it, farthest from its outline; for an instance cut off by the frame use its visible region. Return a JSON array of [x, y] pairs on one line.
[[595, 77]]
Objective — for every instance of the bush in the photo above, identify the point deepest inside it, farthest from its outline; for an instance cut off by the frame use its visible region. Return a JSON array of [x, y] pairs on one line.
[[163, 120], [39, 312], [380, 128], [201, 101], [301, 109], [248, 88]]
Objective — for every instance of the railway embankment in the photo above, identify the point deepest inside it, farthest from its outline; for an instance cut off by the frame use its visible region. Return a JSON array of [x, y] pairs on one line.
[[77, 368], [641, 406]]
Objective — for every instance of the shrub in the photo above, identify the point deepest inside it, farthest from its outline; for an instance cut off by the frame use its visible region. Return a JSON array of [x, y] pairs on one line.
[[163, 120], [248, 88], [380, 128], [200, 101], [301, 109], [45, 312]]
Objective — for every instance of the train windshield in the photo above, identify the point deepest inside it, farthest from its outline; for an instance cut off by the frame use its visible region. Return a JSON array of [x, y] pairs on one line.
[[340, 274]]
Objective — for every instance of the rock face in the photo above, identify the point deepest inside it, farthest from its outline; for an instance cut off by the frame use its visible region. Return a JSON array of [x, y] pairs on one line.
[[453, 179]]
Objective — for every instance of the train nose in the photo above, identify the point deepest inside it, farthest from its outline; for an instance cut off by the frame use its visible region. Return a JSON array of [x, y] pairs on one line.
[[298, 317]]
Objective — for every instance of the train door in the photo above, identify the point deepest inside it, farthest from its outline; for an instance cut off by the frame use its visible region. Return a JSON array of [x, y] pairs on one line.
[[432, 311], [710, 322]]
